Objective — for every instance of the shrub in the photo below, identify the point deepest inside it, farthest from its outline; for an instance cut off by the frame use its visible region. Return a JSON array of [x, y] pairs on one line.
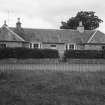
[[5, 76], [24, 53], [89, 54]]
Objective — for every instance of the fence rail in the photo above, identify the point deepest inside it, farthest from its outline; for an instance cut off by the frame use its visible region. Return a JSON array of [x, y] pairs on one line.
[[53, 67]]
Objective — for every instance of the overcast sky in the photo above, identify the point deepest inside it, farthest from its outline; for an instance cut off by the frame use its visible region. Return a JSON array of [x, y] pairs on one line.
[[47, 13]]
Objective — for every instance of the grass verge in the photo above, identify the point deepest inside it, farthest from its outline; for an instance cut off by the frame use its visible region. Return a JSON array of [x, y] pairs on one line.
[[52, 88]]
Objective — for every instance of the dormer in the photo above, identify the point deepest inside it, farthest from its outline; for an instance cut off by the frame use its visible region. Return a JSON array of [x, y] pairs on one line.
[[80, 28], [18, 24]]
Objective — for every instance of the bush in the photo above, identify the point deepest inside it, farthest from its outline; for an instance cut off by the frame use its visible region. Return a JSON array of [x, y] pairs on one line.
[[5, 76], [89, 54], [24, 53]]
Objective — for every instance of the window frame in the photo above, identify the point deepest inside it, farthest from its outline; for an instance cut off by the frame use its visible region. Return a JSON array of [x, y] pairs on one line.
[[71, 48], [32, 45], [53, 46], [35, 45]]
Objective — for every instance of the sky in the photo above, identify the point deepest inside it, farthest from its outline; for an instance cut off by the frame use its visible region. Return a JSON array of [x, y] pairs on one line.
[[47, 14]]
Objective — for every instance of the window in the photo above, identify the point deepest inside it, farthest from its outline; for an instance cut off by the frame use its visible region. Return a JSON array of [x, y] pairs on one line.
[[103, 47], [35, 45], [53, 45], [2, 45], [30, 45], [71, 46]]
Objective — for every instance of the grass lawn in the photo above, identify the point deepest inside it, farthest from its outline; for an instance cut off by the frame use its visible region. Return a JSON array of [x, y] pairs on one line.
[[52, 88]]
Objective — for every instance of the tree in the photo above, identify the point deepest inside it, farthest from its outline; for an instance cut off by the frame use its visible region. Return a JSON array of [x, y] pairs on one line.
[[89, 19]]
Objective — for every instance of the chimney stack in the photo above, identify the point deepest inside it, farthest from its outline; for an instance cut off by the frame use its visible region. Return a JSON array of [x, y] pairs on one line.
[[18, 25], [80, 28], [5, 24]]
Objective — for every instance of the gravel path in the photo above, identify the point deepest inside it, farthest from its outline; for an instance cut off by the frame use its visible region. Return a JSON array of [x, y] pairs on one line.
[[54, 67]]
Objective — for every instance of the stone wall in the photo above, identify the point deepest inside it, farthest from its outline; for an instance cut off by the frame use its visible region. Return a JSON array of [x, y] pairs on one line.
[[93, 47], [15, 44]]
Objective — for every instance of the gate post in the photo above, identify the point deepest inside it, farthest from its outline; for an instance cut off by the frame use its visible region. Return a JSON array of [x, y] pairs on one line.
[[61, 55]]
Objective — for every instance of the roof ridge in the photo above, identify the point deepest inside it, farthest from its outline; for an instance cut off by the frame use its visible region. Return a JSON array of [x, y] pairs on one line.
[[51, 29], [65, 35], [37, 28]]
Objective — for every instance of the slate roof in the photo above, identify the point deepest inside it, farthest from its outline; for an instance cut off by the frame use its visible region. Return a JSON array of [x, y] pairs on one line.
[[51, 35], [55, 35], [99, 37], [7, 34]]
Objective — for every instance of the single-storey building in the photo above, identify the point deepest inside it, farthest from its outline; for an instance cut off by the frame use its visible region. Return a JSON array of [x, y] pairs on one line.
[[60, 39]]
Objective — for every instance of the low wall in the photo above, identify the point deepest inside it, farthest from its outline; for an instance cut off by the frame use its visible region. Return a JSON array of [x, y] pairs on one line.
[[52, 61], [29, 61], [85, 61]]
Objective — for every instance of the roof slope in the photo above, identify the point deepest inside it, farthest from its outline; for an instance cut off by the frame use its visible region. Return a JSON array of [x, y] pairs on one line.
[[54, 35], [99, 37], [7, 34]]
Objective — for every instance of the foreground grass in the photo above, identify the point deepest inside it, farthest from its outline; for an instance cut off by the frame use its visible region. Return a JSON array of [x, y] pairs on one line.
[[52, 88]]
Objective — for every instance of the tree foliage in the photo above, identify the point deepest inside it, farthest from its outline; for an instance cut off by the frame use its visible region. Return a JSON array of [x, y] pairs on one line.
[[89, 19]]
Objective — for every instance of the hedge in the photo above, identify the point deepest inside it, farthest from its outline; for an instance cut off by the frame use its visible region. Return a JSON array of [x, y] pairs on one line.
[[89, 54], [23, 53]]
